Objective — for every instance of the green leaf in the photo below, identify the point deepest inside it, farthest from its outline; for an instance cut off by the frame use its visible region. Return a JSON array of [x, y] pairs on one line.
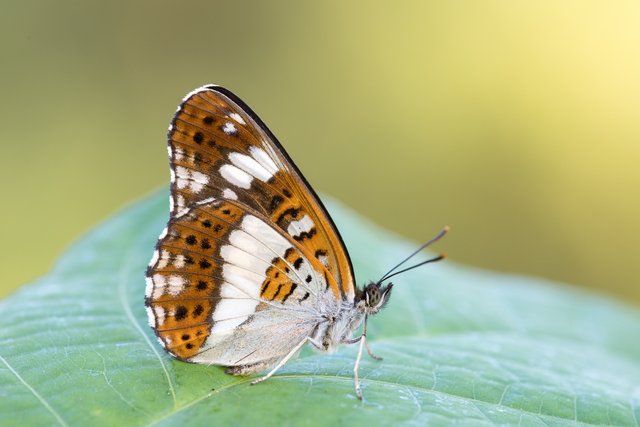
[[460, 345]]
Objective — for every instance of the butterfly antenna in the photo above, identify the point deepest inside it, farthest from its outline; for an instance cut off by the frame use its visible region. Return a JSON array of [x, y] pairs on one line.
[[434, 239], [438, 258]]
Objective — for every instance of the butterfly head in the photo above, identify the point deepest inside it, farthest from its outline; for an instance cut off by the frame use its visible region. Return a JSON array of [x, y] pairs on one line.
[[373, 297]]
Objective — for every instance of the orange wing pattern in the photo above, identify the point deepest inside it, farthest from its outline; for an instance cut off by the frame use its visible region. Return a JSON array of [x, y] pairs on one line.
[[211, 129], [247, 233]]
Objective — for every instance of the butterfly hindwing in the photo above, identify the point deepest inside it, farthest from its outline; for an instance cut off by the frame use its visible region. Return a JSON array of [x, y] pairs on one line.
[[182, 287], [216, 266]]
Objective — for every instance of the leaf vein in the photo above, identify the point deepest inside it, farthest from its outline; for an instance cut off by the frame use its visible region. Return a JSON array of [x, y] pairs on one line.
[[35, 393]]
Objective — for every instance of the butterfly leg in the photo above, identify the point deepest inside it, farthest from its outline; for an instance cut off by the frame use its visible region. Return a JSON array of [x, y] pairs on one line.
[[373, 356], [283, 361], [366, 344], [356, 367]]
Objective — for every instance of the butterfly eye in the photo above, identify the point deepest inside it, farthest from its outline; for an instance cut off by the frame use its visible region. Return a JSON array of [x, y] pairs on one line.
[[376, 296], [372, 295]]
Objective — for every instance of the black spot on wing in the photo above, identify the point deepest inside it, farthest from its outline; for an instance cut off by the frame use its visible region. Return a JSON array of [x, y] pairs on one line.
[[305, 235], [291, 212], [197, 158], [198, 310], [198, 137], [265, 286], [181, 312], [320, 252], [277, 291], [205, 244], [288, 252], [275, 202], [293, 288]]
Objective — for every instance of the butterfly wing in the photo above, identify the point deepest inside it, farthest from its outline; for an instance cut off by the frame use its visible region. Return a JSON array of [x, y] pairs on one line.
[[219, 147], [249, 250]]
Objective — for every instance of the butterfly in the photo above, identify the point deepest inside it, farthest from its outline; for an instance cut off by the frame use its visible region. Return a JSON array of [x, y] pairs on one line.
[[250, 266]]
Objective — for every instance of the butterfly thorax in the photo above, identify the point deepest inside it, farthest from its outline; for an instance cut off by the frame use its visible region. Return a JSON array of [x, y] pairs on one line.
[[338, 327]]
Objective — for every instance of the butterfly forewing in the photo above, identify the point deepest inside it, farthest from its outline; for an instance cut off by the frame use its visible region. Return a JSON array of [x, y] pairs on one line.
[[220, 148], [247, 236]]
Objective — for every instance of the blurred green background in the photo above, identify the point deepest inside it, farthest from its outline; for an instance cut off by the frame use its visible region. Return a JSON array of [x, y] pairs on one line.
[[515, 122]]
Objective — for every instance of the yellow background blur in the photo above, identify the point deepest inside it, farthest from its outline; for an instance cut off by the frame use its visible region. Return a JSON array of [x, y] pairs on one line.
[[515, 122]]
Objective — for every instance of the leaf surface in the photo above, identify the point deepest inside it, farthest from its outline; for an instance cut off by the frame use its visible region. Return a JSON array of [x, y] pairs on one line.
[[460, 345]]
